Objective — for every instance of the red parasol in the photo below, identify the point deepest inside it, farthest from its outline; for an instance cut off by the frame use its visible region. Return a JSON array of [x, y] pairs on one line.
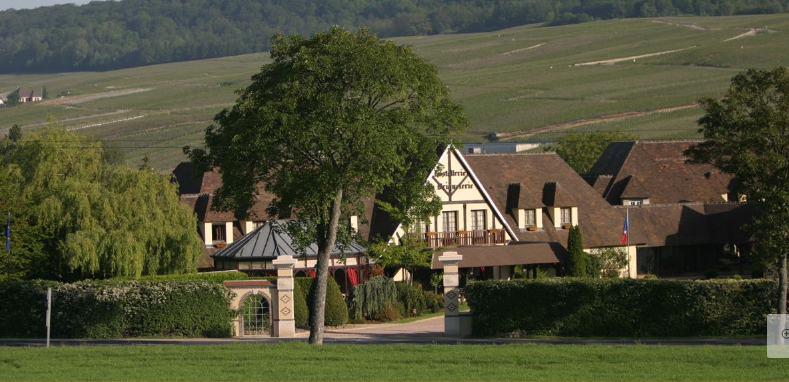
[[353, 276]]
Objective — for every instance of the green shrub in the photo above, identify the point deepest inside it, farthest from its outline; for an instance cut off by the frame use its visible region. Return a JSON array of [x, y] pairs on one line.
[[116, 309], [412, 298], [301, 311], [370, 299], [336, 311], [577, 260], [433, 301], [216, 277], [621, 307], [390, 313]]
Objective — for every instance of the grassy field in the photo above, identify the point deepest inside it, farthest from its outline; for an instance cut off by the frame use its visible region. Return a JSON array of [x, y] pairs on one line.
[[637, 75], [302, 362]]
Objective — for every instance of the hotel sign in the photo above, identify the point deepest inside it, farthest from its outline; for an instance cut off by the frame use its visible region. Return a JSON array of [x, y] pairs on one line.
[[450, 180]]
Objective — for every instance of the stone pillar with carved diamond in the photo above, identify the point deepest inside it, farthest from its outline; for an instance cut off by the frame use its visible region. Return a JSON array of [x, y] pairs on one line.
[[284, 319], [451, 293]]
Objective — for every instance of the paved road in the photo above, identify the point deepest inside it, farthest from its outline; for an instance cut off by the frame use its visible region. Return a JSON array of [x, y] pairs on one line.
[[422, 332]]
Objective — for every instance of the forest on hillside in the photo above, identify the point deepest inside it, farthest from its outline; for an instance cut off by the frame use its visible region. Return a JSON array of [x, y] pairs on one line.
[[110, 35]]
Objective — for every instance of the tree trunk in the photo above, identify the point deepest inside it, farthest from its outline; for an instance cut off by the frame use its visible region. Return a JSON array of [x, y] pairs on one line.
[[782, 285], [325, 244]]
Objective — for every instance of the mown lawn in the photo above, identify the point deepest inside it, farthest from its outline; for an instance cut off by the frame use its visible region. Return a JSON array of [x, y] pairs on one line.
[[299, 361]]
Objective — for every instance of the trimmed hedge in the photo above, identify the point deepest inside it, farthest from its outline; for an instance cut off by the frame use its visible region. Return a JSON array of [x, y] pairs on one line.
[[216, 277], [621, 307], [336, 313], [302, 312], [116, 309]]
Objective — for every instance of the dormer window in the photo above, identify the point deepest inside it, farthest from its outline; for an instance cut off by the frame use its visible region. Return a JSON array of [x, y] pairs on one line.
[[635, 201], [530, 218], [219, 232], [566, 216]]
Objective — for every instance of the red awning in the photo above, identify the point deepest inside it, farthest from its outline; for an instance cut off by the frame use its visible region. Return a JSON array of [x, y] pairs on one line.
[[353, 276]]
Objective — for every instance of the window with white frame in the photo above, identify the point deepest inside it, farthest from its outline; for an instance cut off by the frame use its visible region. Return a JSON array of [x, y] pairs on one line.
[[478, 220], [566, 217], [531, 218], [450, 219], [219, 232], [423, 226]]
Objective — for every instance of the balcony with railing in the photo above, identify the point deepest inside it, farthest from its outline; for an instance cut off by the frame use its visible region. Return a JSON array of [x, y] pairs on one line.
[[451, 239]]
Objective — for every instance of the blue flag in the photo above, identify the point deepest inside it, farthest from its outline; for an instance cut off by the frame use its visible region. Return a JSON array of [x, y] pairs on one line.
[[8, 234]]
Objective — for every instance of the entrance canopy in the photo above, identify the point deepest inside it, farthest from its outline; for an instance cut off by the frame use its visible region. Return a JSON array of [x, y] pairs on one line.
[[515, 254]]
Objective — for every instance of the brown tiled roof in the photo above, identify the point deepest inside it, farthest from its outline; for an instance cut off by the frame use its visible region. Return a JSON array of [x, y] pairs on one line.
[[600, 224], [197, 191], [688, 224], [554, 195], [28, 93], [520, 196], [661, 171], [634, 189], [516, 254], [600, 183], [188, 181]]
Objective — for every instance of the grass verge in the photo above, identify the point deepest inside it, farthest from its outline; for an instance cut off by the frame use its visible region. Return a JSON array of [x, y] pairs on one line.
[[302, 362]]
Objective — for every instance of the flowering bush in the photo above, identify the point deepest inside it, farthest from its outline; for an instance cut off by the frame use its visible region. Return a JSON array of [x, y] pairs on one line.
[[116, 309], [621, 307]]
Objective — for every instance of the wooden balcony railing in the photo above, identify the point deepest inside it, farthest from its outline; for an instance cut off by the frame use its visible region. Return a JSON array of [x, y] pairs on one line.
[[451, 239]]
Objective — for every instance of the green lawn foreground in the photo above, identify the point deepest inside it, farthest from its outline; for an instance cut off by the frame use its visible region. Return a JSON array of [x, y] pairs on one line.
[[332, 362]]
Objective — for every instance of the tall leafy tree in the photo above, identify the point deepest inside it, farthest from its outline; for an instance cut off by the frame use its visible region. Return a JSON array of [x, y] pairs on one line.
[[581, 150], [89, 219], [331, 119], [747, 134]]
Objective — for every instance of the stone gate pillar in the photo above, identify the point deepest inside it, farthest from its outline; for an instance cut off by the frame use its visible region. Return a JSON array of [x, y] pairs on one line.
[[284, 317], [453, 327]]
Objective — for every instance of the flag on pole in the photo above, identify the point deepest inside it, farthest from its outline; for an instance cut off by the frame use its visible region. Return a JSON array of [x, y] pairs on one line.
[[8, 233], [624, 229]]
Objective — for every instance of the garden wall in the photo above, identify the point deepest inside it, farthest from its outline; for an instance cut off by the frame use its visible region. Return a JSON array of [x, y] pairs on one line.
[[116, 309], [621, 307]]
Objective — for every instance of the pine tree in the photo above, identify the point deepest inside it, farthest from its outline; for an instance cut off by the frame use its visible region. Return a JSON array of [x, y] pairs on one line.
[[577, 259]]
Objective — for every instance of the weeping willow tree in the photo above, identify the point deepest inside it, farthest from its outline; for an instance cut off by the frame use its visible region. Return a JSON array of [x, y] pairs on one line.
[[95, 220], [373, 297]]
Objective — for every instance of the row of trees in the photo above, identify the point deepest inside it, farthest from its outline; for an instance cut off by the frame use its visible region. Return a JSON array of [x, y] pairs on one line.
[[75, 215], [107, 35]]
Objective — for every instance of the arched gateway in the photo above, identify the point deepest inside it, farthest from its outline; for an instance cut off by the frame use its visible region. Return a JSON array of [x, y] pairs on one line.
[[265, 308], [255, 315]]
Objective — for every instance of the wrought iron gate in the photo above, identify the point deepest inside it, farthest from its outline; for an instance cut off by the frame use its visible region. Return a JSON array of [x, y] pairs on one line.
[[255, 316]]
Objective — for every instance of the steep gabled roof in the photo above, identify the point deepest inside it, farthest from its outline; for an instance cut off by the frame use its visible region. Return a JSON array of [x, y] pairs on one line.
[[514, 254], [688, 224], [271, 240], [662, 172], [600, 223], [198, 192], [634, 189], [28, 93], [554, 195], [521, 197]]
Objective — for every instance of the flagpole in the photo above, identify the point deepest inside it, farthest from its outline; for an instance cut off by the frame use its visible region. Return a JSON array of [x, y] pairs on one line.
[[8, 247], [627, 221]]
